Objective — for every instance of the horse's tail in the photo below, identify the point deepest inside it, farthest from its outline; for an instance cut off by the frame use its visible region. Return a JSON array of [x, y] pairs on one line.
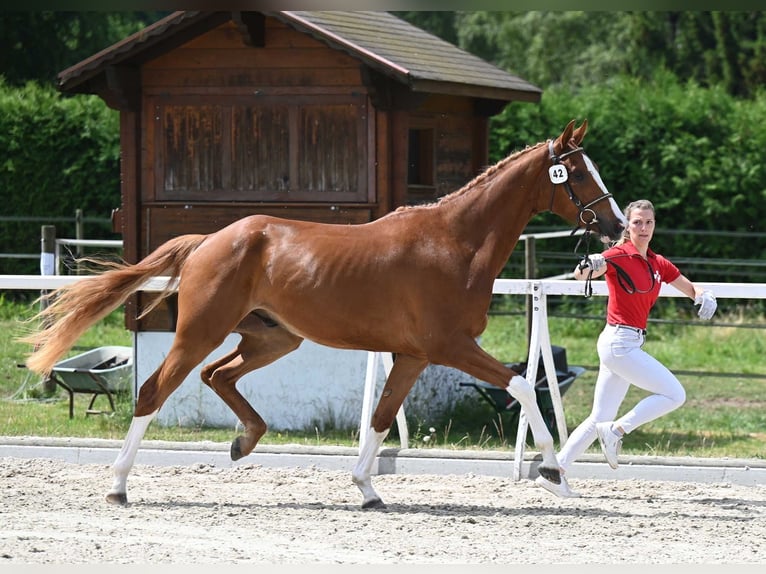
[[76, 307]]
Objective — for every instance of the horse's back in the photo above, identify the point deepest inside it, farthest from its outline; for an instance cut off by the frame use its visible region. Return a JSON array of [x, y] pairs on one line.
[[394, 228]]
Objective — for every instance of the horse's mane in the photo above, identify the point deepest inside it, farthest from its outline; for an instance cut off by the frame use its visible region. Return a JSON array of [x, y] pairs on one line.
[[480, 179]]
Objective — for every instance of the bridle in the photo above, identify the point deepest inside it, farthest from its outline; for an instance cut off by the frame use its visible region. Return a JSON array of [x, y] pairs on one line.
[[562, 178], [582, 209]]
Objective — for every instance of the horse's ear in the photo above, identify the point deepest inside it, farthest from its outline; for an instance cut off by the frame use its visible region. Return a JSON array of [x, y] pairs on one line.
[[579, 133], [566, 135]]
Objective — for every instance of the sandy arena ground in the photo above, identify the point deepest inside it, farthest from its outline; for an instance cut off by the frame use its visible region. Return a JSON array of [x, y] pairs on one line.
[[53, 512]]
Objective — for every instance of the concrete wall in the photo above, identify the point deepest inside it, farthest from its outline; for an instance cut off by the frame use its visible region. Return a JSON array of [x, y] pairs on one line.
[[315, 386]]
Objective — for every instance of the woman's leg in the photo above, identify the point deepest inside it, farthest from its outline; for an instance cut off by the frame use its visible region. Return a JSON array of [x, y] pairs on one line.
[[608, 395], [647, 373]]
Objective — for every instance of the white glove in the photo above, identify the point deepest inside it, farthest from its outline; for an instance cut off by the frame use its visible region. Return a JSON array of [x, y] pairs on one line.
[[596, 262], [707, 304]]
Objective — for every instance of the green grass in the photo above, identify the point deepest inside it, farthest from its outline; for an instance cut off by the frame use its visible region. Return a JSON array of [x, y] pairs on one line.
[[721, 368]]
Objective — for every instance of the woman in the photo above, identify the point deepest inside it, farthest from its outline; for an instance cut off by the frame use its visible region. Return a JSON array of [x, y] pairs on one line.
[[633, 277]]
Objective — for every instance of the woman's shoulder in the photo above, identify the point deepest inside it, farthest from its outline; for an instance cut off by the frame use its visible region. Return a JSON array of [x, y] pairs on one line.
[[658, 257], [664, 261], [614, 250]]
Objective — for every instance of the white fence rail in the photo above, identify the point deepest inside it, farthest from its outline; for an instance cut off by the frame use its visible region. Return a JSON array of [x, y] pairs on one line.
[[501, 286]]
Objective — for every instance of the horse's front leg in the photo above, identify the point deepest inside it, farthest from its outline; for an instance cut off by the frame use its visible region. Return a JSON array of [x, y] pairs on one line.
[[361, 476], [403, 375]]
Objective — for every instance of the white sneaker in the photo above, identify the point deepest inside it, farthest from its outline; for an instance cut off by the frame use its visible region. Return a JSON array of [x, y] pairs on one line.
[[610, 442], [561, 490]]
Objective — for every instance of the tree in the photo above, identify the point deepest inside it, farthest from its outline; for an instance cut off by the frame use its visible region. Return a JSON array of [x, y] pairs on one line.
[[441, 24], [577, 48], [38, 45]]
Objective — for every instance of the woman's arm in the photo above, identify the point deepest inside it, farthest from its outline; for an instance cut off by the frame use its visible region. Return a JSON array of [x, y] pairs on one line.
[[595, 262], [702, 297], [685, 286]]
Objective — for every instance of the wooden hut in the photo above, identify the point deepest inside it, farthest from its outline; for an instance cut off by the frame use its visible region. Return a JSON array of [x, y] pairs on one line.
[[326, 116]]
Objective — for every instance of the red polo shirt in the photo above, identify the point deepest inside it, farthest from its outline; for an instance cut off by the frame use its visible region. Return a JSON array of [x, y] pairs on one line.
[[632, 309]]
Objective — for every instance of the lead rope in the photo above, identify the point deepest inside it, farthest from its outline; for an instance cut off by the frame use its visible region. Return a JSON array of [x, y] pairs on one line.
[[585, 260], [627, 283], [588, 291], [623, 278]]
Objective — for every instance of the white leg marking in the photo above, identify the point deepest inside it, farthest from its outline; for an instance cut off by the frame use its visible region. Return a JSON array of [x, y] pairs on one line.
[[127, 455], [520, 389], [367, 453]]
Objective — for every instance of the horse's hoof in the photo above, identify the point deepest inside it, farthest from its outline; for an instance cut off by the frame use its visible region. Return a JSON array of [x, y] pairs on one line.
[[552, 474], [236, 451], [117, 498], [374, 503]]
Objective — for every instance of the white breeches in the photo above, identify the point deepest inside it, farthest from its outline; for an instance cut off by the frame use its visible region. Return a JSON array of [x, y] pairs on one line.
[[623, 363]]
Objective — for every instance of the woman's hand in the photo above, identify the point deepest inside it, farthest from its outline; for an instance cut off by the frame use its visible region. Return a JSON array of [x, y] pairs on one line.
[[708, 305], [594, 264]]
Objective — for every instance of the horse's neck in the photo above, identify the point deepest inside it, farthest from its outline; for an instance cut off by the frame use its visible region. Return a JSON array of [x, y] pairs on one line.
[[493, 211]]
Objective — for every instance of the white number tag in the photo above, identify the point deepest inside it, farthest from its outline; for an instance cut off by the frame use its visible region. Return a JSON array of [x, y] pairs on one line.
[[558, 173]]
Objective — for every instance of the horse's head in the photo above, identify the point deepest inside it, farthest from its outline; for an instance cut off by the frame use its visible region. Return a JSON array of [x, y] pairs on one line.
[[578, 193]]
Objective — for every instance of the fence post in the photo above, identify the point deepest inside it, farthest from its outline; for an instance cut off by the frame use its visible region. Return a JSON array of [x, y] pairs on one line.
[[530, 260], [47, 267], [79, 226], [48, 251]]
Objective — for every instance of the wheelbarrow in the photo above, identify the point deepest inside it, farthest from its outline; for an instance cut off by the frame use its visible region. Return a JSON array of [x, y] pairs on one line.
[[101, 371]]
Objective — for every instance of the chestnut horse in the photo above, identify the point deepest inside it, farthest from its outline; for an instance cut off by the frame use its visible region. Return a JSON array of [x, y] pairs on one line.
[[416, 282]]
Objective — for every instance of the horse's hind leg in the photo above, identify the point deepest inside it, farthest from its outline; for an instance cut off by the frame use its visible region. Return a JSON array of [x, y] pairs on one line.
[[260, 346], [403, 375], [465, 354], [127, 455], [153, 393], [200, 330]]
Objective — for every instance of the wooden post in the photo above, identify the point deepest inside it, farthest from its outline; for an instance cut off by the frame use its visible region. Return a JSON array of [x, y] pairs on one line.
[[48, 250], [47, 267], [79, 234]]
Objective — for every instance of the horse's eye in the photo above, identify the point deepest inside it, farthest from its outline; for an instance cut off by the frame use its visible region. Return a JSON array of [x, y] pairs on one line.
[[578, 175]]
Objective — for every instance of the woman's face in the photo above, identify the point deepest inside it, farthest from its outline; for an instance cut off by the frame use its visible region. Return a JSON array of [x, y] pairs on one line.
[[641, 226]]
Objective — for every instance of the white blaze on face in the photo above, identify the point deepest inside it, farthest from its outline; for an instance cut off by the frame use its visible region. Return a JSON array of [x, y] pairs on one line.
[[594, 172]]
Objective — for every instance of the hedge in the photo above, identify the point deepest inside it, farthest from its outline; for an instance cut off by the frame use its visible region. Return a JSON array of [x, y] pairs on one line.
[[59, 154], [696, 153]]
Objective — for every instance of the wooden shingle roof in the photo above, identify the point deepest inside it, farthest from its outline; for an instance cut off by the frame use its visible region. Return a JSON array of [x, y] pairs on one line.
[[380, 40], [413, 56]]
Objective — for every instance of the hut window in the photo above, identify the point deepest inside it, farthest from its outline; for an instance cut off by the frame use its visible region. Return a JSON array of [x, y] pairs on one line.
[[260, 145], [193, 147], [420, 166]]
